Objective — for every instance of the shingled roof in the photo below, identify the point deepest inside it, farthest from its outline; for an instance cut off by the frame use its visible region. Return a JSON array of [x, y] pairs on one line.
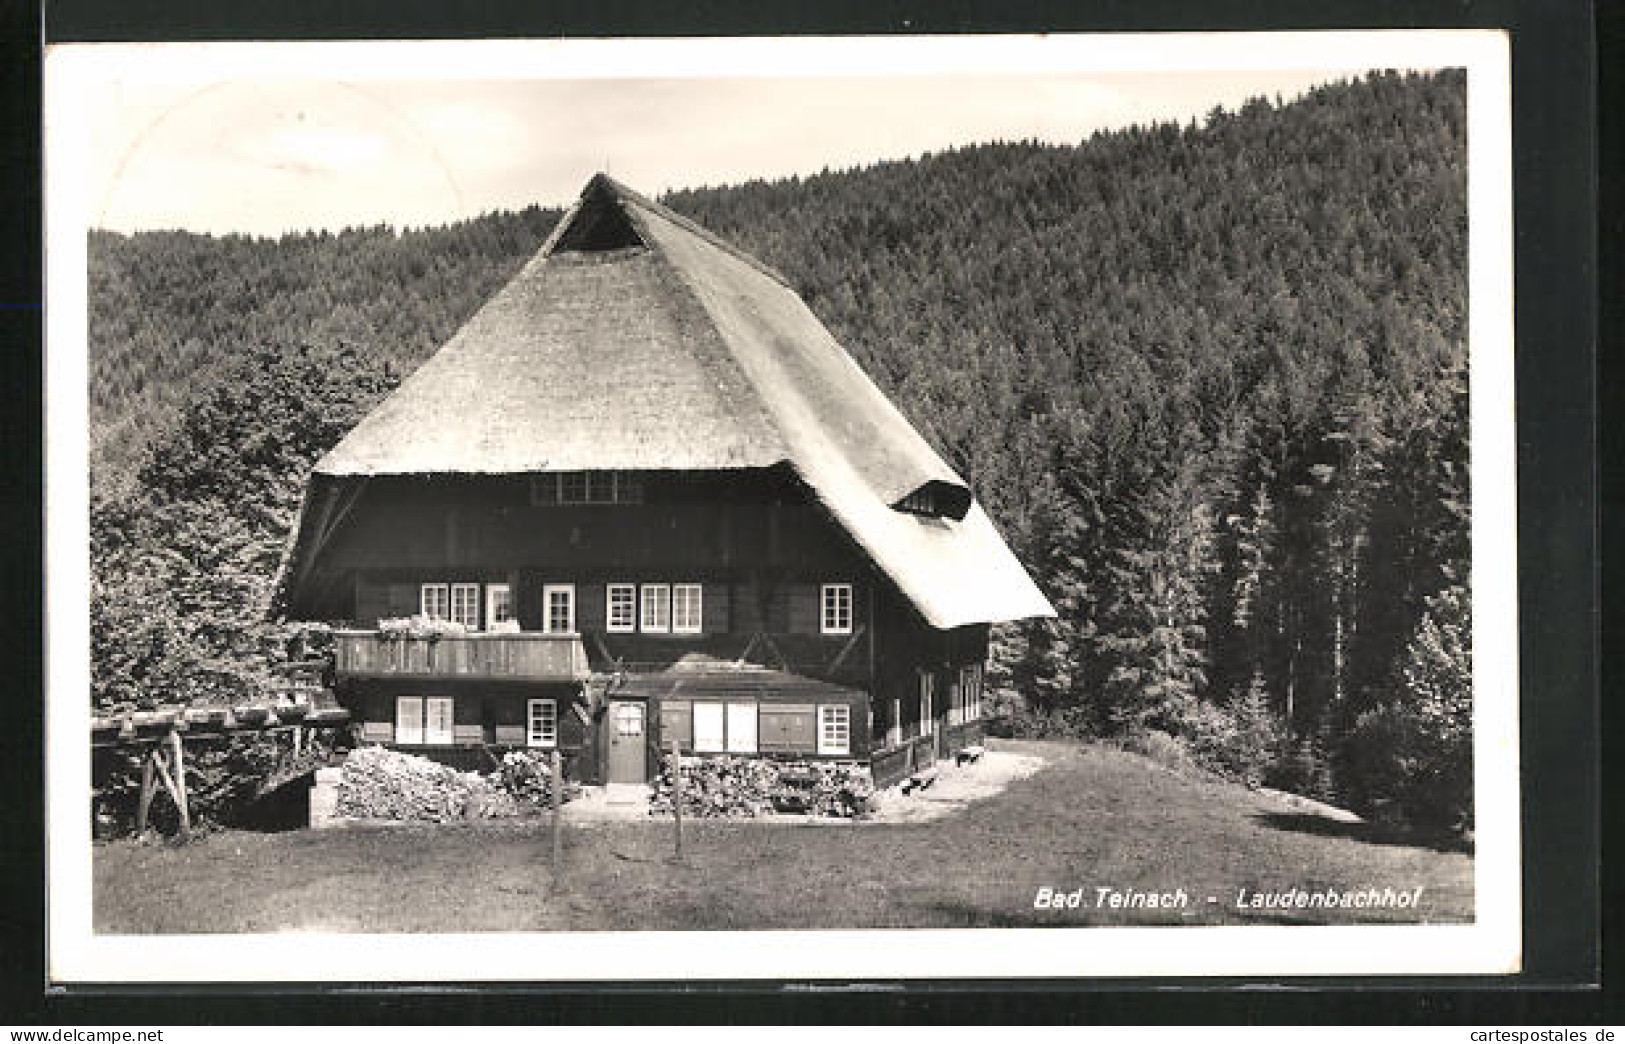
[[637, 340]]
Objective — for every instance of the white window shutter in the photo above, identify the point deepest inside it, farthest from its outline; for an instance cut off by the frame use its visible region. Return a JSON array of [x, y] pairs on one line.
[[438, 720], [408, 719], [708, 727], [741, 728]]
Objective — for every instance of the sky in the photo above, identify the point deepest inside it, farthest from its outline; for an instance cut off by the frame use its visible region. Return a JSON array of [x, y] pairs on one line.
[[268, 155]]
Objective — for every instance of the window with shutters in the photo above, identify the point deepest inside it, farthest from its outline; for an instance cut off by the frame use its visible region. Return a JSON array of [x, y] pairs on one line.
[[543, 723], [656, 608], [622, 612], [421, 721], [834, 729], [686, 608], [836, 613]]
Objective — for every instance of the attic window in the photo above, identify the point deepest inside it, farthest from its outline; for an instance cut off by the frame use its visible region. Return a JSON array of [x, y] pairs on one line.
[[919, 502], [600, 225], [936, 499], [587, 487]]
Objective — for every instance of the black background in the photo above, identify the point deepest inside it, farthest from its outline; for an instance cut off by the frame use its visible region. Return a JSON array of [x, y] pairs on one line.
[[1556, 76]]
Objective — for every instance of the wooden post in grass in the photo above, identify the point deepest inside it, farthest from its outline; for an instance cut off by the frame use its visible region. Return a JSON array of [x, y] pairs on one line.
[[554, 785], [677, 799]]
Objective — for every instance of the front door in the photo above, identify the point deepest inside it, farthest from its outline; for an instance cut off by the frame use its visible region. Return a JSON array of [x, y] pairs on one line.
[[627, 759]]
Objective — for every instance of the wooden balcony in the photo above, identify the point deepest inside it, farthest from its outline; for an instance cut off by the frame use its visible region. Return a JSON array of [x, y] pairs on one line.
[[525, 656]]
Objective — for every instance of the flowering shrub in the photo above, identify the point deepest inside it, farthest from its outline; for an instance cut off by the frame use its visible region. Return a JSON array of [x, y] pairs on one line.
[[402, 628]]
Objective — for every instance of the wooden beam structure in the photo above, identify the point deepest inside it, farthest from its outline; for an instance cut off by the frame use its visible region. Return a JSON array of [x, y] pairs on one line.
[[160, 737]]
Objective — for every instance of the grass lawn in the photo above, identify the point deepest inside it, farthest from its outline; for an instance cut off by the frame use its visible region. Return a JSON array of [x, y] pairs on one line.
[[1092, 817]]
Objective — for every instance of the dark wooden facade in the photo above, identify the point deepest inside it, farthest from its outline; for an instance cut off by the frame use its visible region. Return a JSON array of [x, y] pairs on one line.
[[757, 549]]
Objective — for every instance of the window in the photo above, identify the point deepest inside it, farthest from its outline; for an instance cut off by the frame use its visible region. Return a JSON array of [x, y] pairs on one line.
[[686, 608], [587, 487], [573, 487], [708, 728], [919, 502], [836, 617], [967, 694], [834, 729], [628, 487], [629, 720], [434, 602], [657, 608], [559, 608], [498, 606], [465, 605], [970, 684], [542, 717], [741, 728], [424, 721], [622, 615]]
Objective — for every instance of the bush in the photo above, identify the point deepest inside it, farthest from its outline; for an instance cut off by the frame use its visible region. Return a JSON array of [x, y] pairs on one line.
[[1240, 742], [1013, 720], [1166, 750], [1412, 758]]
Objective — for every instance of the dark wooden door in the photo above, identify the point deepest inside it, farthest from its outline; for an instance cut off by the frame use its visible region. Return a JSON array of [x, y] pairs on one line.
[[628, 726]]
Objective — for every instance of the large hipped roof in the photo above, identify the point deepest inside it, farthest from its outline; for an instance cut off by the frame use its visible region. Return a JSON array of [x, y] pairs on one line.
[[673, 350]]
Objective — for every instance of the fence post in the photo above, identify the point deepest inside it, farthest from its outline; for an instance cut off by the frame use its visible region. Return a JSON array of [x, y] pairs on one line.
[[554, 785], [677, 798]]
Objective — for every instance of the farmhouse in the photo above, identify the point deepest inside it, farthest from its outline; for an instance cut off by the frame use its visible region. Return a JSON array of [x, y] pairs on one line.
[[655, 501]]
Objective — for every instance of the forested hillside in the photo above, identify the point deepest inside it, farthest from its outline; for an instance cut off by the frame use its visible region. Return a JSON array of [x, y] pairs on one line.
[[1209, 379], [169, 309]]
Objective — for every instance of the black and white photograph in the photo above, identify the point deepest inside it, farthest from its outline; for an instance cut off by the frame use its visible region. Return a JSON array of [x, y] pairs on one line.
[[720, 507]]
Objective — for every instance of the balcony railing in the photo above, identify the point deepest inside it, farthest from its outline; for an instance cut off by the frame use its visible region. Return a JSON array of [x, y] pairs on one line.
[[524, 656]]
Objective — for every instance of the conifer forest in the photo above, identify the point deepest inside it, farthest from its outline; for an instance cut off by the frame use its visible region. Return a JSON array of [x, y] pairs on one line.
[[1210, 381]]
